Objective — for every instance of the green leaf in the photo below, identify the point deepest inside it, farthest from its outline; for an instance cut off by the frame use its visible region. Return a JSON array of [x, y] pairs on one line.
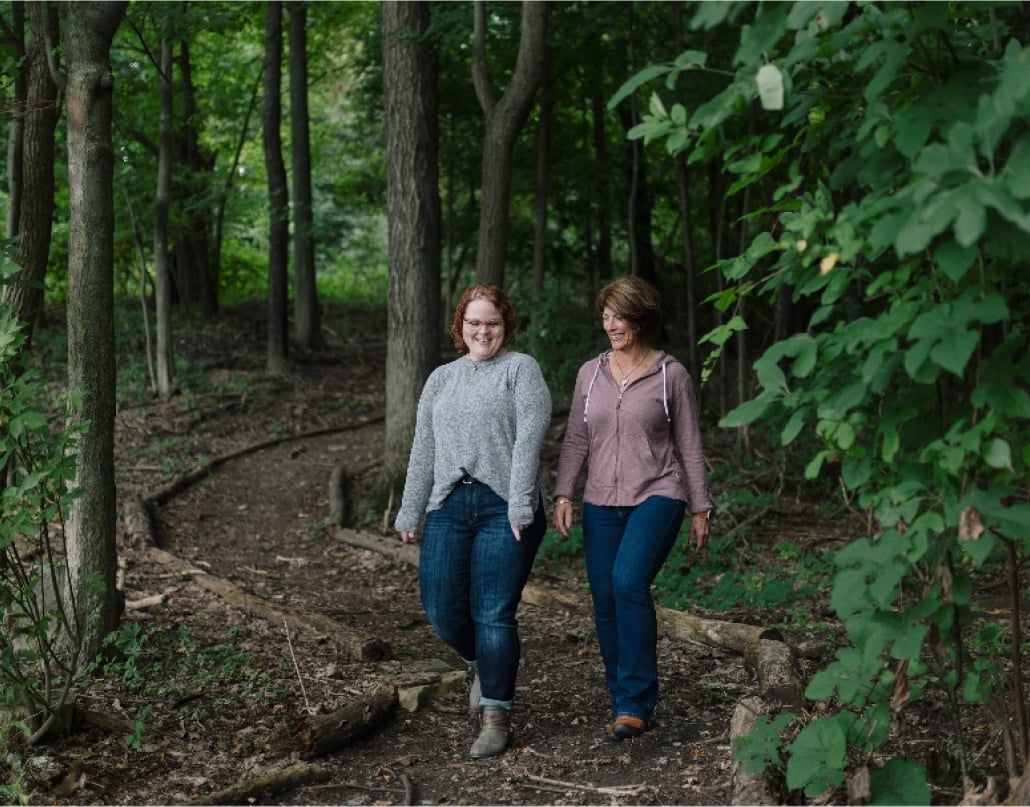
[[793, 427], [954, 260], [817, 757], [998, 454], [899, 782], [747, 412], [649, 73]]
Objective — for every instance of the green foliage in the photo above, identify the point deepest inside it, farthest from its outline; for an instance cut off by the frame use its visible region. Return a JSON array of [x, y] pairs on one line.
[[897, 216], [561, 328], [40, 626]]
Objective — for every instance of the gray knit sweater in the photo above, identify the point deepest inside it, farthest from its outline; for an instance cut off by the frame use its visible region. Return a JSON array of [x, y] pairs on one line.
[[483, 418]]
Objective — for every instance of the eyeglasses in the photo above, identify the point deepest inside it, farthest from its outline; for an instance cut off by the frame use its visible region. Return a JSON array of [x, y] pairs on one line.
[[490, 324]]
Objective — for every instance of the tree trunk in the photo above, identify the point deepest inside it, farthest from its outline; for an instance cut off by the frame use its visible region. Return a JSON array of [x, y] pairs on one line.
[[543, 168], [16, 126], [38, 146], [604, 225], [689, 267], [278, 199], [194, 244], [504, 121], [91, 367], [307, 325], [162, 266], [413, 206]]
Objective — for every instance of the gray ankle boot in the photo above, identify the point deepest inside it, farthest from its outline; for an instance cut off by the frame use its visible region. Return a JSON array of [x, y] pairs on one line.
[[474, 692], [494, 733]]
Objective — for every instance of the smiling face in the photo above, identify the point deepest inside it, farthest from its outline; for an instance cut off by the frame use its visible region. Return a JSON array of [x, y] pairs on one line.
[[620, 331], [483, 330]]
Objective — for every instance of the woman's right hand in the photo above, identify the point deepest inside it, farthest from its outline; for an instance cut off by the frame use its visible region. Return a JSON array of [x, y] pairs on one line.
[[563, 516], [408, 536]]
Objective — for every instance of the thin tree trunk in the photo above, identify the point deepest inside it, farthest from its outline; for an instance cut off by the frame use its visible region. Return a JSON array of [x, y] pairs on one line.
[[689, 266], [91, 368], [413, 208], [16, 125], [604, 225], [223, 197], [162, 264], [543, 171], [307, 325], [505, 118], [278, 216]]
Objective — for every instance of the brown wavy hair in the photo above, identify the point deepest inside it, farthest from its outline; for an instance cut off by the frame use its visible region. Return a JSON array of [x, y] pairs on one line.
[[637, 302], [492, 294]]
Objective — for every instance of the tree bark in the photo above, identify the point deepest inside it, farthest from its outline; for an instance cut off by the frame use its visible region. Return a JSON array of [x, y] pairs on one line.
[[325, 734], [603, 265], [278, 197], [413, 209], [192, 248], [307, 325], [162, 263], [92, 556], [504, 121], [16, 126], [36, 212], [543, 169]]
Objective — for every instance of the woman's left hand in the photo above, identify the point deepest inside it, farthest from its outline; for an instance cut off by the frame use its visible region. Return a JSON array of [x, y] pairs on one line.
[[518, 532], [699, 530]]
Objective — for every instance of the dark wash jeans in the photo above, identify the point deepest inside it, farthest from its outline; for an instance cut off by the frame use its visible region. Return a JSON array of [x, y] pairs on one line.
[[472, 572], [625, 547]]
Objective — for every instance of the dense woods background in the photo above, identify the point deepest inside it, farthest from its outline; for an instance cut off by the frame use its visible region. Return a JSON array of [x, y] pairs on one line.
[[844, 269]]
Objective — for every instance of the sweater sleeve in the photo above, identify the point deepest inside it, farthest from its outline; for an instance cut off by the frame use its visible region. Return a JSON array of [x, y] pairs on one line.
[[532, 417], [687, 434], [418, 484], [576, 445]]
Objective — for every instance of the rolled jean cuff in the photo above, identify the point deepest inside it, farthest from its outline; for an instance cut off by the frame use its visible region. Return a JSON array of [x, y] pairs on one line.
[[506, 705]]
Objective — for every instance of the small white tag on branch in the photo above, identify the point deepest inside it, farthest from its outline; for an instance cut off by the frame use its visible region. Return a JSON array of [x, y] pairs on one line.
[[770, 86]]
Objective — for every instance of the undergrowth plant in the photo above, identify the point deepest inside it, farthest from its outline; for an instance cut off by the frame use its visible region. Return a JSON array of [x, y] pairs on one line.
[[894, 212], [40, 625]]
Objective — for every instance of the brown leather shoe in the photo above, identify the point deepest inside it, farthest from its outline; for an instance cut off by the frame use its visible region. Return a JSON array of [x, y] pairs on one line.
[[494, 733], [625, 727]]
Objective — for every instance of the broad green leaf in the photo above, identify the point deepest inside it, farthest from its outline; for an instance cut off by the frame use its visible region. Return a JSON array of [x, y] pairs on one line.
[[998, 454], [691, 58], [793, 427], [648, 74], [900, 782], [954, 260], [954, 350], [747, 412], [1015, 175], [970, 221], [817, 757]]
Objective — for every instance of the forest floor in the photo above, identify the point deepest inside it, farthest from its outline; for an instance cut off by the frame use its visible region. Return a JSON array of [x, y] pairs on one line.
[[210, 692]]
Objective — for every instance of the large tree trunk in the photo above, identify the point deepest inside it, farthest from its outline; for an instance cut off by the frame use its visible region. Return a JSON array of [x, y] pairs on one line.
[[307, 325], [192, 248], [504, 121], [91, 366], [413, 205], [162, 263], [35, 219], [278, 216]]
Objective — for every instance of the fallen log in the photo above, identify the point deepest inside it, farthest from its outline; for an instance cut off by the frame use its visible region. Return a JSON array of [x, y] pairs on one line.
[[354, 645], [319, 735], [748, 788], [271, 784]]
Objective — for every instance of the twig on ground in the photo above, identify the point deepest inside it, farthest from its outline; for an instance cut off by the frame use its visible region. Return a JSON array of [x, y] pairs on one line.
[[616, 790], [293, 658]]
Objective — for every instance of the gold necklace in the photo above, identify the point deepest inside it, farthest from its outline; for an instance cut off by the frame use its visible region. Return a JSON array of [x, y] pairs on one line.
[[625, 376]]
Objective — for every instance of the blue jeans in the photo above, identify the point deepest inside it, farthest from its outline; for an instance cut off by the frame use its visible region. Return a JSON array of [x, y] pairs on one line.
[[625, 547], [472, 572]]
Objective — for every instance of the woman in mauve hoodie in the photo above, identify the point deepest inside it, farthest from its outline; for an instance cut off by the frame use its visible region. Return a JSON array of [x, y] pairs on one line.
[[633, 426]]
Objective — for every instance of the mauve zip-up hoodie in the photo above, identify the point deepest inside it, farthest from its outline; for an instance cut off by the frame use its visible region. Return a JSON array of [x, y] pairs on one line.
[[640, 442]]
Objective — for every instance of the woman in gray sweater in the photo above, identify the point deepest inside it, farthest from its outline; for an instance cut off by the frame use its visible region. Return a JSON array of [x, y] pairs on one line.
[[474, 471], [633, 426]]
